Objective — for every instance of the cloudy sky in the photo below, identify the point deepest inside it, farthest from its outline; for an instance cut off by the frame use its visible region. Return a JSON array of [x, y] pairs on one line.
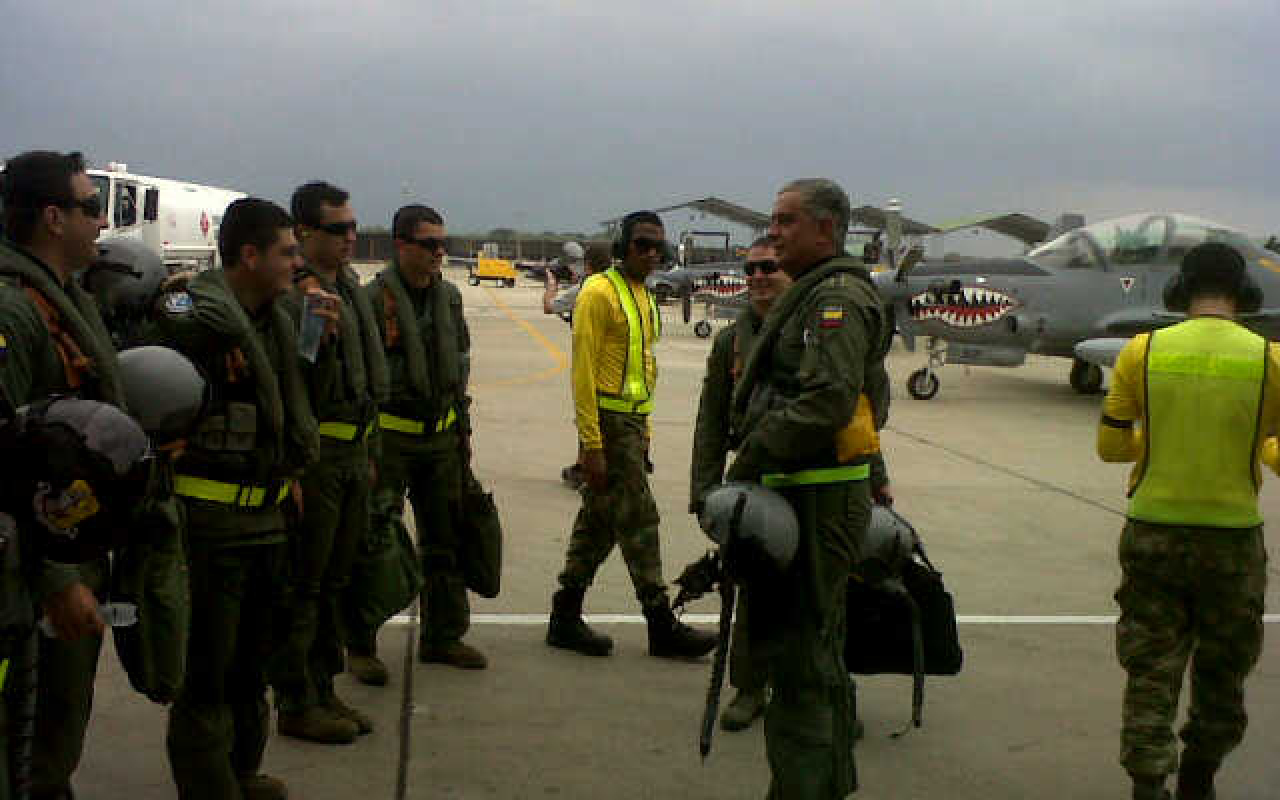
[[554, 114]]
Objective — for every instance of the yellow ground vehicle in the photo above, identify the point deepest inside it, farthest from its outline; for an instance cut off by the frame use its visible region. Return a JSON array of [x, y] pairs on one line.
[[489, 267]]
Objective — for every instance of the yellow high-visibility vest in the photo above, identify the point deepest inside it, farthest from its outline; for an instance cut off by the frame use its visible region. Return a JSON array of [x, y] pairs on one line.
[[1204, 383], [635, 396]]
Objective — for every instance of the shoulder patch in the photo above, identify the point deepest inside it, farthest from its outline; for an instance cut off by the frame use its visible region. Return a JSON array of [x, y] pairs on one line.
[[830, 317], [4, 347], [177, 303]]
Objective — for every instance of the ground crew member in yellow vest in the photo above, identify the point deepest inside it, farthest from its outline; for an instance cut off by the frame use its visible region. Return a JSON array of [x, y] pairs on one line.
[[1196, 406], [748, 670], [804, 427], [53, 341], [344, 383], [426, 435], [615, 325], [233, 477]]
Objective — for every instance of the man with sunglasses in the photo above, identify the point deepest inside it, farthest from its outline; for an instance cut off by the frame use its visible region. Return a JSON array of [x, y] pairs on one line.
[[426, 437], [52, 340], [615, 325], [748, 671], [346, 381], [804, 422]]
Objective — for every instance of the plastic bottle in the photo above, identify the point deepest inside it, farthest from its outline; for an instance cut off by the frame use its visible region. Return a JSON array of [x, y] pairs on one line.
[[115, 615]]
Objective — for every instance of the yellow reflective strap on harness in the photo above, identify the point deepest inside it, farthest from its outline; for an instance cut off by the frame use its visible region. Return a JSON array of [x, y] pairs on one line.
[[4, 673], [614, 404], [414, 426], [814, 477], [232, 494], [341, 430]]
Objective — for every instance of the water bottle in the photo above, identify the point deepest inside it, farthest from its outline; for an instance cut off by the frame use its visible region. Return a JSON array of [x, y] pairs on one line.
[[115, 615], [311, 329]]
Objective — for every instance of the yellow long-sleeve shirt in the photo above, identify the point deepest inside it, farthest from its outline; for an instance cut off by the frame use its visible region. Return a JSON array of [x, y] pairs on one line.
[[1125, 403], [600, 350]]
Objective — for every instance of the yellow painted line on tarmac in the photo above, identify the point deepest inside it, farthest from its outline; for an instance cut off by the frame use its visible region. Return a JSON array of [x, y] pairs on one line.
[[557, 355]]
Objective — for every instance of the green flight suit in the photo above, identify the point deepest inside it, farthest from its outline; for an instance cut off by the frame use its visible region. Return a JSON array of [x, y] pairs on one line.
[[425, 425], [31, 370], [799, 388], [748, 669], [258, 435], [345, 385]]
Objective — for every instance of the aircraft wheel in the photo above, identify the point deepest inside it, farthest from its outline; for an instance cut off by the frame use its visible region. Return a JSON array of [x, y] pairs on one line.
[[702, 329], [923, 384], [1086, 378], [686, 308]]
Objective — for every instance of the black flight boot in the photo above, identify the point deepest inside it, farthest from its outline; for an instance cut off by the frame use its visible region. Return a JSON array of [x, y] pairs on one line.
[[671, 638], [1195, 779], [567, 628]]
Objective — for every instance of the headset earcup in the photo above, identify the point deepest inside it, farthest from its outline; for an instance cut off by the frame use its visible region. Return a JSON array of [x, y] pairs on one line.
[[1249, 296], [620, 247], [1176, 298]]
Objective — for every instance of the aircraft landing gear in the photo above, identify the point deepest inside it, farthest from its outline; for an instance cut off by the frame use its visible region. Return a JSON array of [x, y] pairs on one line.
[[923, 384], [1086, 378], [702, 329]]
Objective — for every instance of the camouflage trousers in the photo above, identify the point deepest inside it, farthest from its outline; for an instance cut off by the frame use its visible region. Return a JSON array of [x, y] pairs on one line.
[[624, 514], [1189, 596]]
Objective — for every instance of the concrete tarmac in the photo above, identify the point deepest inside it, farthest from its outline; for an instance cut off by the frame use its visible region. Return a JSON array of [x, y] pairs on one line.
[[997, 473]]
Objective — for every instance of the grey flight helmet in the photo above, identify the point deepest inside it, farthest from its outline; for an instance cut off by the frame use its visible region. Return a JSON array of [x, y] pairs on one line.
[[889, 543], [755, 525], [163, 390], [125, 278]]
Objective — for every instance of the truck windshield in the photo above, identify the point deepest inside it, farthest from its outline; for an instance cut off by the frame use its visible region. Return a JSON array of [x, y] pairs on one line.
[[103, 184]]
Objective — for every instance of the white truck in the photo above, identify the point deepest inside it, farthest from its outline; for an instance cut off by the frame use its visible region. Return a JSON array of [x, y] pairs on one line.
[[175, 219]]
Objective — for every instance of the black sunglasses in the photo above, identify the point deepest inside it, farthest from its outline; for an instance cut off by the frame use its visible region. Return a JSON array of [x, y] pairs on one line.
[[767, 267], [338, 228], [91, 205], [430, 243], [644, 244]]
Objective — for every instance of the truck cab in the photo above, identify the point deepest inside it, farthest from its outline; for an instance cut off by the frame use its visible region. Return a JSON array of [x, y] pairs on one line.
[[131, 204]]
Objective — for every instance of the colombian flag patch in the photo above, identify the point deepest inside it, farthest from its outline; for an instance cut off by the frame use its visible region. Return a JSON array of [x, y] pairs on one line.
[[4, 347], [831, 317]]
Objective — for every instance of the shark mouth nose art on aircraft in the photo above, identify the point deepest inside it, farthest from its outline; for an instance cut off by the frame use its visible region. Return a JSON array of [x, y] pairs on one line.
[[966, 307]]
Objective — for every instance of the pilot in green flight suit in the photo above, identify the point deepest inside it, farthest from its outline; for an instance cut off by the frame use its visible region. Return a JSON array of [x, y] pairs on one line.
[[234, 474], [808, 432]]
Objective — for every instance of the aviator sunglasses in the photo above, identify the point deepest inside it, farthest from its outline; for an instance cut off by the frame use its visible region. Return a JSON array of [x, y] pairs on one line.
[[338, 228], [644, 244], [430, 243], [767, 267], [91, 205]]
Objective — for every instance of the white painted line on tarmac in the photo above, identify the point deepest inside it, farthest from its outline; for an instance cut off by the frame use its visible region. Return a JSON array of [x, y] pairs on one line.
[[703, 619]]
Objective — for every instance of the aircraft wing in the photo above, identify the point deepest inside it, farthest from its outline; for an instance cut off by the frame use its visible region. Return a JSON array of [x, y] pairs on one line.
[[1102, 352], [1023, 227]]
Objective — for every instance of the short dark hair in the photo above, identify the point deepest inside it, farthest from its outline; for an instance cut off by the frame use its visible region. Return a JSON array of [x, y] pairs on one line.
[[1213, 268], [308, 199], [32, 182], [405, 222], [597, 256], [250, 220], [762, 241]]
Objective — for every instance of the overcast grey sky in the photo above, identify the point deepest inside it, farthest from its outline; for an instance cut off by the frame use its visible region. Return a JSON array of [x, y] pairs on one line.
[[554, 114]]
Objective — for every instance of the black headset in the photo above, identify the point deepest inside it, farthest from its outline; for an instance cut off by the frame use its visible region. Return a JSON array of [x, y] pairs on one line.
[[1205, 257], [623, 243]]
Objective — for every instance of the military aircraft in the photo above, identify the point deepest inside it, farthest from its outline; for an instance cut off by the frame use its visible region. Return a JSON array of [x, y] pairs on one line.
[[1100, 281]]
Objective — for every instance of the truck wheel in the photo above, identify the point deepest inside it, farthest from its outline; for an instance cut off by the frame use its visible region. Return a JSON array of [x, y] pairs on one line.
[[509, 282], [702, 329], [473, 280], [923, 384]]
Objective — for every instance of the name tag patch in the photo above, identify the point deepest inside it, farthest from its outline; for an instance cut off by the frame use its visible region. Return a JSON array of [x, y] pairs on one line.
[[177, 303]]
